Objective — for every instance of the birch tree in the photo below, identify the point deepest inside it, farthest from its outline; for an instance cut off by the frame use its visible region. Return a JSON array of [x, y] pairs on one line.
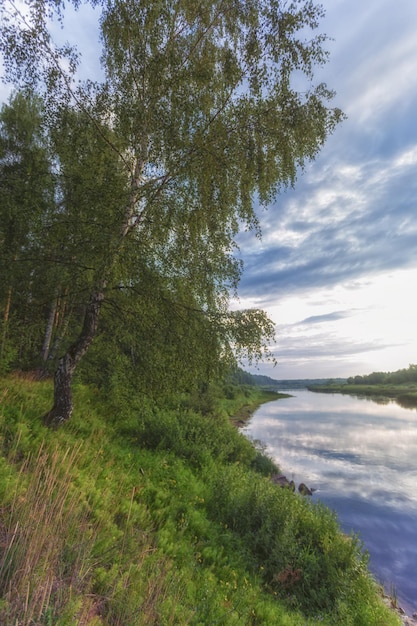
[[199, 106]]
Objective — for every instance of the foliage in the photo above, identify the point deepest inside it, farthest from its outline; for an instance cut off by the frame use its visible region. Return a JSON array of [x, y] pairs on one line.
[[195, 124], [27, 199], [377, 378], [148, 334], [298, 548], [383, 387], [122, 530]]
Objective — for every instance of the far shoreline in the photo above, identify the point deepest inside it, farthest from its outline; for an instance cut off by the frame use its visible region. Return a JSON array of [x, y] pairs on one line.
[[404, 395]]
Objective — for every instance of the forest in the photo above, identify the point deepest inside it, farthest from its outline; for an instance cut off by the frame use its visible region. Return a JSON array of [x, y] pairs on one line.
[[405, 375], [400, 385]]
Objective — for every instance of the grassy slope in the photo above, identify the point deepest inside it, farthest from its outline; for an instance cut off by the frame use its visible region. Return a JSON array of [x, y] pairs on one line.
[[137, 516]]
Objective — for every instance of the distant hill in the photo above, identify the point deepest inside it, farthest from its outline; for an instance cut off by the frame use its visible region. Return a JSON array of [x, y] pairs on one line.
[[302, 383], [266, 381]]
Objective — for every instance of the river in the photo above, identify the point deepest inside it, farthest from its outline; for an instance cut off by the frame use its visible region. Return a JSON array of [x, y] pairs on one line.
[[361, 457]]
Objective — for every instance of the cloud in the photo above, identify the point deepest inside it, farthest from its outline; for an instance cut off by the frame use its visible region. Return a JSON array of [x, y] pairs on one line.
[[350, 223], [328, 317], [341, 222], [372, 63], [322, 346]]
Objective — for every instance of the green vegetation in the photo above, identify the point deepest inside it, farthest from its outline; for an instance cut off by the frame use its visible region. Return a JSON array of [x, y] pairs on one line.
[[400, 385], [136, 515], [120, 204], [122, 195]]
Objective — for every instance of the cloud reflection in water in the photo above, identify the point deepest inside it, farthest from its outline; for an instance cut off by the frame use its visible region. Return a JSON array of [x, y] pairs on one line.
[[360, 456]]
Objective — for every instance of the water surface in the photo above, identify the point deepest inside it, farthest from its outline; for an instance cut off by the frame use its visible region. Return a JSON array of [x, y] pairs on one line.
[[361, 456]]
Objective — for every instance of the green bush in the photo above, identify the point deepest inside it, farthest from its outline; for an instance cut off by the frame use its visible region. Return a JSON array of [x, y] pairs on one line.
[[295, 544], [194, 437]]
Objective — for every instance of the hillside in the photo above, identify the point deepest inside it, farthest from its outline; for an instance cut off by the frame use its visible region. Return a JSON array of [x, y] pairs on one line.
[[261, 380], [133, 514]]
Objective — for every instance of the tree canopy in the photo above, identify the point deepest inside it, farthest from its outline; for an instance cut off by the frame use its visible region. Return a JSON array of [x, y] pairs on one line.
[[154, 170], [405, 375]]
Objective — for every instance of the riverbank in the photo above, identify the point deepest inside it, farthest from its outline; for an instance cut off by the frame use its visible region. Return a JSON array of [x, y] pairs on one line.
[[241, 418], [143, 514], [360, 456], [406, 620], [404, 394], [243, 414]]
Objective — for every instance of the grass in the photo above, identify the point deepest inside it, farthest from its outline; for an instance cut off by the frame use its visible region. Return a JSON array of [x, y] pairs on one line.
[[140, 515], [46, 533]]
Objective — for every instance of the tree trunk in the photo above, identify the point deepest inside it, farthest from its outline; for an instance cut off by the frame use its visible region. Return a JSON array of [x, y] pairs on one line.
[[5, 322], [63, 405], [62, 327], [49, 328]]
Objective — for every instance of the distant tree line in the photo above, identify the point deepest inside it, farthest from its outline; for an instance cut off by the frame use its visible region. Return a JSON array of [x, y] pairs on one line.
[[406, 375]]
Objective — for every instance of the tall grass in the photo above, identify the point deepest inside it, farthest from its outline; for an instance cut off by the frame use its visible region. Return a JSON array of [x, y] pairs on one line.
[[47, 539]]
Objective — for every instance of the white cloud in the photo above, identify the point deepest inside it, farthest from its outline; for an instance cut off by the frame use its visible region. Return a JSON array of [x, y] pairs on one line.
[[361, 326], [373, 55]]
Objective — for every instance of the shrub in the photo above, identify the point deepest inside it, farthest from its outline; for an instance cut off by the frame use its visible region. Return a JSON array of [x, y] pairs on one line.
[[295, 544], [190, 436]]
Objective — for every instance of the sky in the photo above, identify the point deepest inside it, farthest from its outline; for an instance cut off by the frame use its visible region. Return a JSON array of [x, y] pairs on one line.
[[336, 269]]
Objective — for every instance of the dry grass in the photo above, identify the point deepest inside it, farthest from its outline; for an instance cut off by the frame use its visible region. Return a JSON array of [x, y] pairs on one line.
[[45, 540], [49, 556]]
